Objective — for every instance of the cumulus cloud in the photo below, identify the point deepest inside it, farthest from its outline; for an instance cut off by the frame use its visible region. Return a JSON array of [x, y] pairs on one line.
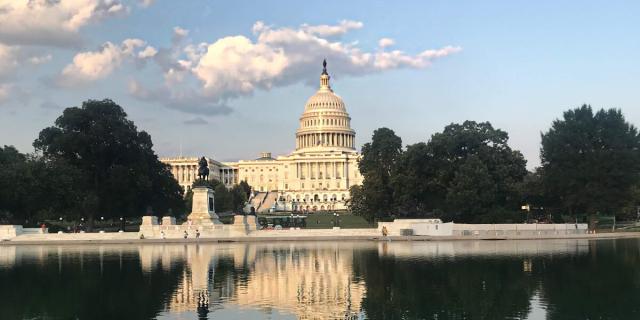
[[94, 65], [148, 52], [386, 42], [237, 65], [328, 30], [207, 75], [52, 22]]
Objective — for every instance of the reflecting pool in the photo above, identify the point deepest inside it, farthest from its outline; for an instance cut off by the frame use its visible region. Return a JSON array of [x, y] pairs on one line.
[[527, 279]]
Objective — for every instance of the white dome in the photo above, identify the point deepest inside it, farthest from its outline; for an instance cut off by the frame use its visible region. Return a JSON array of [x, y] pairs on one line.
[[325, 123], [325, 99]]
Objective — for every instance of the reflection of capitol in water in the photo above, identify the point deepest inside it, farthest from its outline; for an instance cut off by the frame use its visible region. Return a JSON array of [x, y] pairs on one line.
[[309, 280], [306, 280]]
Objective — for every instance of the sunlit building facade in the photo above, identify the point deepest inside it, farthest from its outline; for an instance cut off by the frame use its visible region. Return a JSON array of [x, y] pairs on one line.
[[316, 176]]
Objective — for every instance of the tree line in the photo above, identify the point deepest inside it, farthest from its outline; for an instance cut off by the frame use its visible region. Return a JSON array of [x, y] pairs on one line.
[[94, 163], [590, 164]]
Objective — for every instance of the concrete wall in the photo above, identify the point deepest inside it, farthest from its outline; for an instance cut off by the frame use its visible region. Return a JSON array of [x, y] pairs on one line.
[[515, 230], [419, 227], [9, 231], [435, 227]]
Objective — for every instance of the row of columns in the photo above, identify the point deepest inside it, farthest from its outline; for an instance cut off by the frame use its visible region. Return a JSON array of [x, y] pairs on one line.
[[185, 173], [228, 176], [319, 170], [326, 139], [326, 122]]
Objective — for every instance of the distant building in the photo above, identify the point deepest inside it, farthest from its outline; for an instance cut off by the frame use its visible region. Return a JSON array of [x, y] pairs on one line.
[[316, 176]]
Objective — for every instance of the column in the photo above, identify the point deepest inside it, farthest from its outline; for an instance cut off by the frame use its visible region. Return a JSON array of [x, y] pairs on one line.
[[344, 169]]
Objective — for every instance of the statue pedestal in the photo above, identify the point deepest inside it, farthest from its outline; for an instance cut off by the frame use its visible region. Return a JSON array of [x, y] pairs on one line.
[[242, 225], [202, 210]]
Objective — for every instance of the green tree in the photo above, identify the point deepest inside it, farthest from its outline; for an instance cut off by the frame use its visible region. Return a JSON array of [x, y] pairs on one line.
[[238, 197], [379, 157], [32, 189], [414, 181], [13, 184], [591, 162], [475, 170], [120, 174]]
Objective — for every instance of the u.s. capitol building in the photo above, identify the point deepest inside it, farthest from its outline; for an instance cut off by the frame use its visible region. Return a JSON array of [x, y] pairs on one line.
[[315, 177]]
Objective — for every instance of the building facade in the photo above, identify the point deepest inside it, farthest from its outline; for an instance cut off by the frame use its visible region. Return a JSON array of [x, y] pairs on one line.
[[315, 177]]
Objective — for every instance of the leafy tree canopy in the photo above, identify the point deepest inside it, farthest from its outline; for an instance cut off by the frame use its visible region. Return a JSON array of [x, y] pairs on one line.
[[591, 161], [120, 174], [465, 171]]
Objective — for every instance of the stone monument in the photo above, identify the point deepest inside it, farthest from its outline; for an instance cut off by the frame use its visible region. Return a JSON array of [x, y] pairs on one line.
[[202, 209]]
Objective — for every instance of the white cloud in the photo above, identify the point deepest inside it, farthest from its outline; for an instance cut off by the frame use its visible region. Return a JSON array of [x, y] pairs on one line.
[[386, 42], [148, 52], [237, 65], [328, 30], [180, 32], [146, 3], [35, 60], [207, 75], [94, 65], [52, 22]]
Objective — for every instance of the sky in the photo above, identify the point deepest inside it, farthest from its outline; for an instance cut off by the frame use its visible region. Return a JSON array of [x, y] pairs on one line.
[[229, 79]]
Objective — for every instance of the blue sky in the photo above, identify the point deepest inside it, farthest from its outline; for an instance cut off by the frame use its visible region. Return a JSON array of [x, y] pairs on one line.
[[517, 64]]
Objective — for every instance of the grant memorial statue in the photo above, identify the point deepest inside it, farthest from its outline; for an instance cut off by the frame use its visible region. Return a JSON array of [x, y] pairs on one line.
[[202, 209]]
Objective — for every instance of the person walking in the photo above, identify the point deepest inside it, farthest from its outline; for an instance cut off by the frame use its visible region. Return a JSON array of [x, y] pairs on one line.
[[185, 234], [197, 234], [162, 236]]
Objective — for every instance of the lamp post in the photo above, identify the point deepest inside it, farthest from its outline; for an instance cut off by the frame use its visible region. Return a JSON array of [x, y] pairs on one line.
[[527, 208]]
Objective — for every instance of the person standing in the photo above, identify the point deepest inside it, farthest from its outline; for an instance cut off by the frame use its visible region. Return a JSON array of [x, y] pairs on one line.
[[197, 234], [185, 234]]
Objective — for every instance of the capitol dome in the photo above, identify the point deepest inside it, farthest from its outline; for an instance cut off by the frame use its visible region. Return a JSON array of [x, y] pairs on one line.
[[325, 123]]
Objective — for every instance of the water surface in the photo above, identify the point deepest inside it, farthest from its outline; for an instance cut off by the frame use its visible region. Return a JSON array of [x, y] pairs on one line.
[[527, 279]]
